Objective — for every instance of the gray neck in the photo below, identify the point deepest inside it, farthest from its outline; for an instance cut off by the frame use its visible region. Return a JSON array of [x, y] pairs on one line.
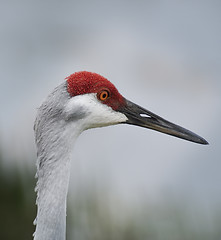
[[55, 137], [52, 188]]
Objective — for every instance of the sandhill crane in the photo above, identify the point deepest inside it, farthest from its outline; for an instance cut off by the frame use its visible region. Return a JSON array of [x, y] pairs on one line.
[[85, 100]]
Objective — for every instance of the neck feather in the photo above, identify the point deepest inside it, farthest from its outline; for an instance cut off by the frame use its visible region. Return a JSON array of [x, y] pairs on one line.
[[52, 188], [55, 138], [53, 172]]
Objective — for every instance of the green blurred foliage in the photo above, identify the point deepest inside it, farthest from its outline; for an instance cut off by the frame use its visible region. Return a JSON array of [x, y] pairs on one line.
[[17, 204], [91, 216]]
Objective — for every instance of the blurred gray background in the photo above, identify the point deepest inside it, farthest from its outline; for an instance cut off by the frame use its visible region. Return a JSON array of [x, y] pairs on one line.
[[163, 55]]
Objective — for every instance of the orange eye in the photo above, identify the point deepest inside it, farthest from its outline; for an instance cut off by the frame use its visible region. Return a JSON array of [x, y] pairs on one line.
[[103, 95]]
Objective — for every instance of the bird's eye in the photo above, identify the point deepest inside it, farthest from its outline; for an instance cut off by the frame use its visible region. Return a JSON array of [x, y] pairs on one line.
[[103, 95]]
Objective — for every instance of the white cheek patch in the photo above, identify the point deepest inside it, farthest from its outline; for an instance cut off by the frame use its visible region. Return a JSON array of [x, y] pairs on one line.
[[88, 109], [75, 109]]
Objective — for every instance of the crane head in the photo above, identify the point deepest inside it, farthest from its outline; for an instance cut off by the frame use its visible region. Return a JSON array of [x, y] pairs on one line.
[[95, 102]]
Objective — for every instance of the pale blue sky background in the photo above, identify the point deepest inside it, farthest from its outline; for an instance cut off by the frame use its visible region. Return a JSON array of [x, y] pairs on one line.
[[163, 55]]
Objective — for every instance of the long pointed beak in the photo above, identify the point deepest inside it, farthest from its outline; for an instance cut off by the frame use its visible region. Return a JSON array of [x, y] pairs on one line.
[[141, 117]]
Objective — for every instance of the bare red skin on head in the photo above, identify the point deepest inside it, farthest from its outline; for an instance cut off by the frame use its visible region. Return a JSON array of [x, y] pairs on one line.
[[87, 82]]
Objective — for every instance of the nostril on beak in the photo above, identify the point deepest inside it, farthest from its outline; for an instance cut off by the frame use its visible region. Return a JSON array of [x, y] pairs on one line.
[[145, 115]]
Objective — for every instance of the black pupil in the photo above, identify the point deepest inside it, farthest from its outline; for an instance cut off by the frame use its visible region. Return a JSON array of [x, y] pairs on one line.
[[104, 95]]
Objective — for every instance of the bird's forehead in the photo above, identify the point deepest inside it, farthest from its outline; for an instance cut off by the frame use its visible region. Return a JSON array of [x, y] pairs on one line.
[[86, 82]]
